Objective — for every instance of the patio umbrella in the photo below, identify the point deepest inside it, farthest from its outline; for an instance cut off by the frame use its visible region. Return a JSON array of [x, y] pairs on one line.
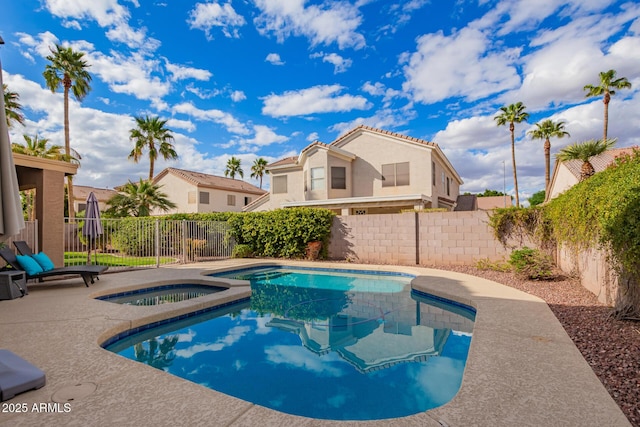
[[11, 219], [92, 227]]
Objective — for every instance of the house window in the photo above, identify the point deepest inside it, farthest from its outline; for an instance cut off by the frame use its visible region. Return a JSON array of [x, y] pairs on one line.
[[433, 173], [247, 200], [82, 207], [279, 184], [395, 174], [448, 183], [191, 197], [317, 179], [204, 197], [338, 178], [231, 200]]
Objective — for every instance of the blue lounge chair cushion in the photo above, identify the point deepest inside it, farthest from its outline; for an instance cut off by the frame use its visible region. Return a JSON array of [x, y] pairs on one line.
[[29, 265], [44, 261]]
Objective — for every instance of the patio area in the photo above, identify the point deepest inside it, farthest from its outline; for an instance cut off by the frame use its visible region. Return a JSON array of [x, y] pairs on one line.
[[522, 369]]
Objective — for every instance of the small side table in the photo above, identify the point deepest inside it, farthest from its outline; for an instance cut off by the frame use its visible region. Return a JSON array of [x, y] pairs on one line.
[[13, 284]]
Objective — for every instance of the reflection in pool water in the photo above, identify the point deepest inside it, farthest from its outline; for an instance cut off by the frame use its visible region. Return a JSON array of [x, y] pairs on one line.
[[309, 344]]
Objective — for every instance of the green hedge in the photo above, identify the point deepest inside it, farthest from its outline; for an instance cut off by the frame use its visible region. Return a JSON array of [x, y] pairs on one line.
[[282, 233]]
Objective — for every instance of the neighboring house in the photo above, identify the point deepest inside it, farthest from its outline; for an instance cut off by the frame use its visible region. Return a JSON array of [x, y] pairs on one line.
[[494, 202], [471, 202], [195, 192], [365, 171], [567, 174], [81, 193]]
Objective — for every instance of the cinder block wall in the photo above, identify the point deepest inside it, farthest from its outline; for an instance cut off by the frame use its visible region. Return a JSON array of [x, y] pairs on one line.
[[442, 238]]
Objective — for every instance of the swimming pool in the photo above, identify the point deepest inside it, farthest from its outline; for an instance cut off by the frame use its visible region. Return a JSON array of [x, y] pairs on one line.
[[319, 343]]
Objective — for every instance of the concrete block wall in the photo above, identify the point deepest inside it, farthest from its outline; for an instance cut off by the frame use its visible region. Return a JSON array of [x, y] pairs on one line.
[[594, 270], [443, 238]]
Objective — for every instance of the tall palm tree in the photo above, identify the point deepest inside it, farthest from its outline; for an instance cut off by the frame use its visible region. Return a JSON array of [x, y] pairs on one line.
[[152, 134], [12, 106], [545, 130], [608, 82], [259, 169], [234, 168], [138, 199], [69, 70], [585, 151], [511, 114]]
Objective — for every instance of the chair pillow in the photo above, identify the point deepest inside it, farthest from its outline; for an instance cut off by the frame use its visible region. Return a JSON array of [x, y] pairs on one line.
[[44, 261], [29, 265]]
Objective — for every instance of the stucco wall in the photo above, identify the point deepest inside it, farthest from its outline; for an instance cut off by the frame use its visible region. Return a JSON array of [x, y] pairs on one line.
[[593, 270], [443, 238]]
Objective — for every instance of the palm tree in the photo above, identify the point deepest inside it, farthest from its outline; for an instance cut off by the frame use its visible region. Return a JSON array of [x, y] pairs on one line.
[[12, 107], [69, 69], [545, 130], [585, 151], [138, 199], [151, 131], [233, 168], [36, 147], [259, 169], [511, 114], [608, 82]]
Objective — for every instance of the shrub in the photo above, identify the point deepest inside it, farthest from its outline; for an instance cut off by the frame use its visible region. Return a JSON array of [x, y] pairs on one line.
[[282, 232], [531, 264], [242, 251], [487, 264]]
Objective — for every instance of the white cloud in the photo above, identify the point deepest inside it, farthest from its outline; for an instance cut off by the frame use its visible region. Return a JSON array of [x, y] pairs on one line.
[[180, 72], [314, 100], [227, 120], [460, 65], [238, 95], [274, 59], [335, 22], [263, 136], [340, 64], [108, 14], [206, 16], [313, 136]]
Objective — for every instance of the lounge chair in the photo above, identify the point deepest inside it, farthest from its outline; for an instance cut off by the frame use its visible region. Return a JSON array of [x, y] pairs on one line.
[[88, 272]]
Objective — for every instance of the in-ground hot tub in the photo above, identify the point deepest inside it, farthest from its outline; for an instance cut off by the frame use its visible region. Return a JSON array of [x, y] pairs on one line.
[[162, 294]]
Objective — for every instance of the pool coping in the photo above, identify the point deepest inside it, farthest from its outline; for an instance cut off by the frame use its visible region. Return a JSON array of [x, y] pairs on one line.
[[522, 369]]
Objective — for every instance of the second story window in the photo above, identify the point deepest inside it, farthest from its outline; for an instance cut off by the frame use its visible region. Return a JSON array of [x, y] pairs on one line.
[[247, 200], [317, 179], [395, 174], [433, 173], [279, 184], [338, 178], [231, 200]]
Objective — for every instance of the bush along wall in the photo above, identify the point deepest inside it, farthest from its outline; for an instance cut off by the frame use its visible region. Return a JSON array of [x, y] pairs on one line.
[[282, 233], [602, 212]]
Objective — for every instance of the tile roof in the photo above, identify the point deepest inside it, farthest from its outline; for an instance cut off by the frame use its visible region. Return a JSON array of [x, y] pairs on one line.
[[286, 161], [382, 132], [211, 181], [81, 192]]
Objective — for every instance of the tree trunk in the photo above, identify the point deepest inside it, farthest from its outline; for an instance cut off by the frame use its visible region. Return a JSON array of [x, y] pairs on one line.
[[586, 171], [606, 100], [627, 305], [513, 159], [151, 165], [67, 148], [547, 165]]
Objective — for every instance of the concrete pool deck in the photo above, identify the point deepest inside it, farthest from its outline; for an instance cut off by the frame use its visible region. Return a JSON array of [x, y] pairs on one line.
[[522, 369]]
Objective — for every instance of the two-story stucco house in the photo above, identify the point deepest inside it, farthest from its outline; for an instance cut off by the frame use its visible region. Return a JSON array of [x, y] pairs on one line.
[[365, 171], [195, 192], [81, 192]]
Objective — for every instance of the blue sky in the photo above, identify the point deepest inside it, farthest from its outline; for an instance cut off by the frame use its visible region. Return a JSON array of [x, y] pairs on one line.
[[265, 78]]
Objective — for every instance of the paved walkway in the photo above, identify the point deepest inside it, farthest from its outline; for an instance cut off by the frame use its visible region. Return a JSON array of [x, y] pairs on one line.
[[522, 369]]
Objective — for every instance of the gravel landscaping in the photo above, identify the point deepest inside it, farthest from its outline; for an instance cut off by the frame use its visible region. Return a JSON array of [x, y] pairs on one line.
[[610, 346]]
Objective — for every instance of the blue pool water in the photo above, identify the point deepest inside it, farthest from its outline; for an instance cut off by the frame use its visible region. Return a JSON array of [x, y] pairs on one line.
[[320, 344]]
